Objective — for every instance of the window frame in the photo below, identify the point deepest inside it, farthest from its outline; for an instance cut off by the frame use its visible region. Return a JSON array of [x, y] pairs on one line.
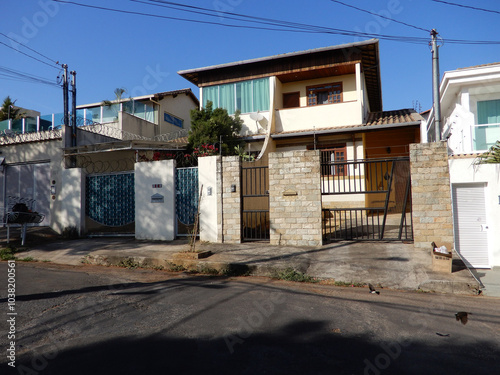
[[332, 96]]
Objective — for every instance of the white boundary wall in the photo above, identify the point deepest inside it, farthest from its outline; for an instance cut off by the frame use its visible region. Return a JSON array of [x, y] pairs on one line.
[[155, 200]]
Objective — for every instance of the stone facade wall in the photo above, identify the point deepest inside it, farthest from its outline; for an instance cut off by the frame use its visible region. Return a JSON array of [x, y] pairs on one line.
[[431, 195], [231, 201], [295, 198]]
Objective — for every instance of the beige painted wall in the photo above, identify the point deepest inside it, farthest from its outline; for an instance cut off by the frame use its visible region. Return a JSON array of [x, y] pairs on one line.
[[180, 106], [321, 116]]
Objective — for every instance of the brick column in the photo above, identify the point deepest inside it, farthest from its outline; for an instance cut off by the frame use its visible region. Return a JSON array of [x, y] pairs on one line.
[[295, 198], [231, 201], [431, 195]]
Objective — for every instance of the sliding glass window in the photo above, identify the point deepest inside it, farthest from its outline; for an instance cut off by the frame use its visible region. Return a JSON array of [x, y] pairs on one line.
[[246, 96]]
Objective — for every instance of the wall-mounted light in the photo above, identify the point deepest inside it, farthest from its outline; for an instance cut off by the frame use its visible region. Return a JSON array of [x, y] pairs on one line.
[[209, 191], [233, 188]]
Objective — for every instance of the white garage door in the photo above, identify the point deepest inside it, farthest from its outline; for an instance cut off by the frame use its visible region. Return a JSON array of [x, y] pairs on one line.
[[469, 215]]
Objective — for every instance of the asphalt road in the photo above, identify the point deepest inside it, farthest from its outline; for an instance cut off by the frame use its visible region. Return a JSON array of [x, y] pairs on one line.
[[98, 320]]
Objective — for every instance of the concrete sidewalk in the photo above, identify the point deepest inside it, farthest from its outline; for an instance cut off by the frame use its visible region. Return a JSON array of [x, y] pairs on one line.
[[384, 264]]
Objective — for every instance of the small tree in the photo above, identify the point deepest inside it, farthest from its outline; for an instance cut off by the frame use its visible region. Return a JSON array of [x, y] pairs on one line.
[[118, 97], [8, 111], [208, 125]]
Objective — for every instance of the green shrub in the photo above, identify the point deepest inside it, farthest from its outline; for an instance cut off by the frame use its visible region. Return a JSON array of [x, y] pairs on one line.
[[290, 274]]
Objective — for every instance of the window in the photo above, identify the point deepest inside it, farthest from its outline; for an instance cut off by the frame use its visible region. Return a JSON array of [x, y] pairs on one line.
[[487, 132], [324, 94], [246, 96], [329, 157], [291, 99]]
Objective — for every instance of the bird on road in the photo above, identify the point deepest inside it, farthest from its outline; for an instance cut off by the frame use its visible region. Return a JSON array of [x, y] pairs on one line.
[[372, 289], [462, 316]]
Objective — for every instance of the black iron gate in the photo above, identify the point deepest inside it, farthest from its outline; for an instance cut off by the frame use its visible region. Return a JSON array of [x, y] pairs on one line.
[[255, 201], [371, 200]]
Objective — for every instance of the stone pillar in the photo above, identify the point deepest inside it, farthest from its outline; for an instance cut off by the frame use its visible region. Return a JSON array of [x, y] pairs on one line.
[[295, 198], [431, 195], [231, 199]]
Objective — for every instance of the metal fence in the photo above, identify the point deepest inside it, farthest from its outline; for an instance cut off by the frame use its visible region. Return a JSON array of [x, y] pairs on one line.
[[377, 199], [255, 198]]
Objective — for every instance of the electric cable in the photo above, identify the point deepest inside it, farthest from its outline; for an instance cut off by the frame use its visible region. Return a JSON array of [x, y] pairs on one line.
[[467, 6], [31, 57], [31, 49], [379, 15]]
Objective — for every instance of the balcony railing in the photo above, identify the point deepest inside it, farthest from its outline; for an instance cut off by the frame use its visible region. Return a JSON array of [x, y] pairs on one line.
[[319, 116], [484, 136]]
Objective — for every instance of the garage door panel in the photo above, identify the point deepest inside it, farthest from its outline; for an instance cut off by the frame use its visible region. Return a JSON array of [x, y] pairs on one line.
[[469, 220]]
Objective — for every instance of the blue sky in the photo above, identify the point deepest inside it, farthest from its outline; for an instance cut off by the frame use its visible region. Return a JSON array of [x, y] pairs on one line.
[[143, 54]]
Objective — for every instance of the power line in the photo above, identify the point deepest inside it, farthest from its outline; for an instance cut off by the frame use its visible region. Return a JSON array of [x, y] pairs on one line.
[[31, 57], [9, 73], [379, 15], [297, 27], [279, 25], [284, 26], [31, 49], [467, 6]]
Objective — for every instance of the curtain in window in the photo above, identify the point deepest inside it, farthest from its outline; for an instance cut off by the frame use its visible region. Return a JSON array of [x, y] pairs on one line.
[[488, 112], [261, 94], [150, 113], [211, 93], [244, 96], [226, 96]]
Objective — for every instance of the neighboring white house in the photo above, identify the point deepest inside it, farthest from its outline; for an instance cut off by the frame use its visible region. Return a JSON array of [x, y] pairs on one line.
[[38, 154], [470, 107]]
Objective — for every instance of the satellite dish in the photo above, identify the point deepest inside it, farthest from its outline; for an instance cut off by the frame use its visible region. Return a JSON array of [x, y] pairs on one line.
[[256, 116]]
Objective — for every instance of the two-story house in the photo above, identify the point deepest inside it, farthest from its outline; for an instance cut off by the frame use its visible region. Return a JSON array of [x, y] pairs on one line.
[[470, 106], [327, 99]]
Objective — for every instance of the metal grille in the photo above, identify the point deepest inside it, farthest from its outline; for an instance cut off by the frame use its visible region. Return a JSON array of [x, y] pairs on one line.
[[255, 197], [380, 206], [187, 195], [110, 199]]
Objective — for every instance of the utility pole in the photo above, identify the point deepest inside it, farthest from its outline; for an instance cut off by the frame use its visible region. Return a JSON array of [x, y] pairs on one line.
[[73, 108], [65, 94], [435, 85]]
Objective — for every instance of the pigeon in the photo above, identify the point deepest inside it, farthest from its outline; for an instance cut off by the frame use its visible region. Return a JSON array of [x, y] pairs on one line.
[[462, 316], [372, 289]]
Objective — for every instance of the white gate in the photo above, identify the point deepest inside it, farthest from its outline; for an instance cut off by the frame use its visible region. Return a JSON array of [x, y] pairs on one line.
[[471, 229], [29, 181]]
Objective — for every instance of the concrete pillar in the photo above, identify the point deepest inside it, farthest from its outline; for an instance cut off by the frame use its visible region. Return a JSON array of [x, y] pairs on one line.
[[71, 198], [210, 205], [155, 200]]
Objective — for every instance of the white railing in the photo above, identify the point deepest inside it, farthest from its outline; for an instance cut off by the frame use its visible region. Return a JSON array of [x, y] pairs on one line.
[[484, 136]]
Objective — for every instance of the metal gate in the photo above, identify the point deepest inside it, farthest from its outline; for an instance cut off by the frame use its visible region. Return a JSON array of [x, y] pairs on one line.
[[373, 199], [110, 203], [255, 201], [186, 202]]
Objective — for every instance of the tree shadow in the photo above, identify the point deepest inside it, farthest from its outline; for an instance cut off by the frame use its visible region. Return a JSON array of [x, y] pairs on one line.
[[301, 347]]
